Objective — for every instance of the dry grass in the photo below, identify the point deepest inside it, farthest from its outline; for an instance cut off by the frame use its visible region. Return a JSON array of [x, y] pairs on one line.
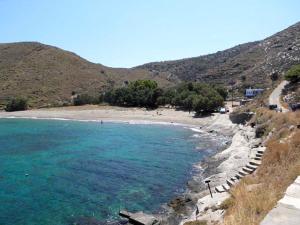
[[47, 76], [257, 194], [198, 222]]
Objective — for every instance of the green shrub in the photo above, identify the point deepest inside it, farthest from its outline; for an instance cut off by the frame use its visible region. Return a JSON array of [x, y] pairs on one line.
[[202, 98], [85, 99], [16, 104], [140, 93], [293, 74]]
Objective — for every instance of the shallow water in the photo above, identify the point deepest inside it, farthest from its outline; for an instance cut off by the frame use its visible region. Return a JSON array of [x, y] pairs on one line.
[[60, 172]]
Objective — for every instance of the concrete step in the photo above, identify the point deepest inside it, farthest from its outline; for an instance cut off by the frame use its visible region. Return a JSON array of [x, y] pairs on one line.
[[239, 176], [243, 173], [231, 182], [234, 179], [226, 187], [259, 155], [251, 166], [219, 189], [248, 170], [261, 151], [255, 162], [257, 144], [257, 158]]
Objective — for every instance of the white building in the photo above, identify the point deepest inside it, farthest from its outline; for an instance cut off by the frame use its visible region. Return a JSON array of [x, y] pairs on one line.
[[253, 92]]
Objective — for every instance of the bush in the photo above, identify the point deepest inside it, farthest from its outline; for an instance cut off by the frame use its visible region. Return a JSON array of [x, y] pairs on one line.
[[227, 203], [16, 104], [201, 98], [85, 99], [293, 74], [261, 130], [140, 93]]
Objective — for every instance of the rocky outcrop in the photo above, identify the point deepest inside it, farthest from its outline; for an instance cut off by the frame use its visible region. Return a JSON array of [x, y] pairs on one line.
[[240, 117]]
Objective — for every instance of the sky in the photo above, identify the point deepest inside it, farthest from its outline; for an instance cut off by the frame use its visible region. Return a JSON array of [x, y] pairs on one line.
[[127, 33]]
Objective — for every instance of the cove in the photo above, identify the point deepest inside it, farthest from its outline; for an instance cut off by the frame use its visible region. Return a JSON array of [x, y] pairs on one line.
[[61, 172]]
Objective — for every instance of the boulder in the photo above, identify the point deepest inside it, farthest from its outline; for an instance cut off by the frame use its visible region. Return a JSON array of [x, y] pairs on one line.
[[240, 117]]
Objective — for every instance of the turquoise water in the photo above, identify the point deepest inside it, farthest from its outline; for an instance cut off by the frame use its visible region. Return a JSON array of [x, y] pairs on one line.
[[61, 172]]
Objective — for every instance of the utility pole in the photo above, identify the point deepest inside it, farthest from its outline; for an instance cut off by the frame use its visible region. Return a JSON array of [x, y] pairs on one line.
[[232, 82]]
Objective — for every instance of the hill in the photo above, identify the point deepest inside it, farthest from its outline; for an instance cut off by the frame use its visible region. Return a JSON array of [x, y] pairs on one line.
[[247, 64], [47, 75]]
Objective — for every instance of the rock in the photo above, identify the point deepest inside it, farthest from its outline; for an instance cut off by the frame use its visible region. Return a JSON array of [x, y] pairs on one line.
[[291, 127], [86, 221], [139, 218], [176, 202], [194, 186], [240, 117], [260, 130], [181, 204]]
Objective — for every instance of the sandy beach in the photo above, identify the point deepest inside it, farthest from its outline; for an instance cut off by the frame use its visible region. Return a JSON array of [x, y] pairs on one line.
[[130, 115]]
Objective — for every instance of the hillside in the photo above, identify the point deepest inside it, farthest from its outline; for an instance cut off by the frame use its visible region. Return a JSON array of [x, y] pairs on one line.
[[47, 75], [249, 63]]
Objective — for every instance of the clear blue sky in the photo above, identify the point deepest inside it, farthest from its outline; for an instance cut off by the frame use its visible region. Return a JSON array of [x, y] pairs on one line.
[[125, 33]]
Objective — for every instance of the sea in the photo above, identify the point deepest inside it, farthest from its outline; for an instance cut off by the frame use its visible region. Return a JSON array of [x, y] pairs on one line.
[[61, 172]]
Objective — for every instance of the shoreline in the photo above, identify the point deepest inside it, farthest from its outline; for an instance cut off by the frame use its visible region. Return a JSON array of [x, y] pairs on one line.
[[119, 114], [227, 163], [214, 125]]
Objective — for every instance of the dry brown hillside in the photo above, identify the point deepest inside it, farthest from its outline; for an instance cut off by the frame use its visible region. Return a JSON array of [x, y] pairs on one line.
[[48, 75], [246, 64]]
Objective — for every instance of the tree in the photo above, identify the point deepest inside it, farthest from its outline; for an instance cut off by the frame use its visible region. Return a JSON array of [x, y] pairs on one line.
[[85, 99], [222, 91], [17, 104], [199, 104], [274, 76], [243, 78], [293, 74], [141, 93], [188, 102], [202, 98]]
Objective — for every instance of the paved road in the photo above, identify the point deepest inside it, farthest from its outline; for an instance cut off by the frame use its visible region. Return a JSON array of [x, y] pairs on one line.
[[287, 211], [274, 98]]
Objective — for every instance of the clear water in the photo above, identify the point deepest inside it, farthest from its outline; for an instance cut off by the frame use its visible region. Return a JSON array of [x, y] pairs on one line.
[[58, 172]]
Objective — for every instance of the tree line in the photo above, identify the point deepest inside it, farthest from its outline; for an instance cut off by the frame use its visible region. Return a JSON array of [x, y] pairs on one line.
[[192, 96], [199, 97]]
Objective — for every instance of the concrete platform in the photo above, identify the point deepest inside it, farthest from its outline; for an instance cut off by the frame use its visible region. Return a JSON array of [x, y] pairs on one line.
[[282, 215], [287, 211], [139, 218]]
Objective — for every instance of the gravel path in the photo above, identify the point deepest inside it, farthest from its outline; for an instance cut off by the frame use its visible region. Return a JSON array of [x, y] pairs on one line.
[[274, 98]]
